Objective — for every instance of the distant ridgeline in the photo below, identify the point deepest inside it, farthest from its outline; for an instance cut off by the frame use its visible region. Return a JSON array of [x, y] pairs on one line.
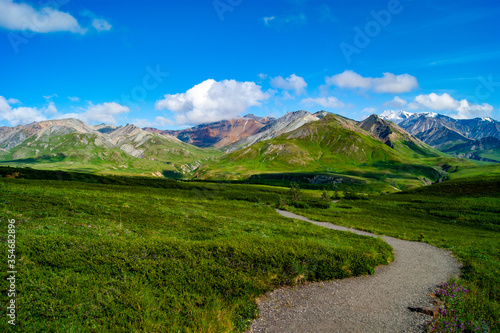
[[263, 149]]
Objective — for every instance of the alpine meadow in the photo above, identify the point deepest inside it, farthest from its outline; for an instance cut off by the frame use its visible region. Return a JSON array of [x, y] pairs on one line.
[[234, 166]]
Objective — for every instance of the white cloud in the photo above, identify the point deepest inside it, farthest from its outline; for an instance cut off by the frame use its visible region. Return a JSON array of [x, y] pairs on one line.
[[468, 110], [397, 102], [388, 83], [394, 84], [293, 82], [285, 22], [99, 113], [268, 19], [13, 101], [349, 79], [262, 76], [101, 25], [435, 102], [74, 98], [462, 109], [49, 97], [22, 16], [50, 109], [326, 102], [369, 110], [286, 96], [20, 115], [212, 101]]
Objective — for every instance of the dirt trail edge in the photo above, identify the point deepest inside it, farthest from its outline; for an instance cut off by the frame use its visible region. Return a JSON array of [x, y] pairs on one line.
[[376, 303]]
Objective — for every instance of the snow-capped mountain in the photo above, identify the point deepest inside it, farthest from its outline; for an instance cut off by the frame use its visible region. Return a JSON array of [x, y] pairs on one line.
[[398, 116]]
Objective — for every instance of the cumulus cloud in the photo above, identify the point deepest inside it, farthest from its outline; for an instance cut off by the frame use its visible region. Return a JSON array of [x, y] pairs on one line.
[[22, 16], [212, 101], [462, 109], [388, 83], [397, 102], [99, 113], [394, 84], [349, 79], [101, 25], [435, 102], [50, 109], [92, 114], [21, 115], [293, 82], [326, 102]]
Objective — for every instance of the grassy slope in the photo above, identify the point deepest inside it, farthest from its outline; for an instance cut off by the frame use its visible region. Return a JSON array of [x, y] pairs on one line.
[[493, 154], [482, 169], [80, 152], [183, 257], [165, 150], [461, 215]]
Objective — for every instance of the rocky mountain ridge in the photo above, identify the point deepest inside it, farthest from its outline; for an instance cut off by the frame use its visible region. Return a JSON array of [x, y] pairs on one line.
[[443, 132]]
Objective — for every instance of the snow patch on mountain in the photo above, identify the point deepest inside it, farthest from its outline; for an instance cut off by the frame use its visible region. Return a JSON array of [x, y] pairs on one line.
[[398, 116]]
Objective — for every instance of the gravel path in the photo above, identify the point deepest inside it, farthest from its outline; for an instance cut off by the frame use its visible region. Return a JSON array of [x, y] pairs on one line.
[[376, 303]]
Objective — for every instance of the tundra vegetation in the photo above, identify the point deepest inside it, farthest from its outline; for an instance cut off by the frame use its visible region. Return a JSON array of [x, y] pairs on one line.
[[156, 255], [115, 253]]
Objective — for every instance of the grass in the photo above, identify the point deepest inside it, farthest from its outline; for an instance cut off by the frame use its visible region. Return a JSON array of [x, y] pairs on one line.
[[95, 255], [482, 169], [461, 215]]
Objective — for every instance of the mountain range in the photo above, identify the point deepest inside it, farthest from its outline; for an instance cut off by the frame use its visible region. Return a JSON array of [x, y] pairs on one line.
[[477, 138], [249, 147], [73, 144], [334, 145], [241, 132]]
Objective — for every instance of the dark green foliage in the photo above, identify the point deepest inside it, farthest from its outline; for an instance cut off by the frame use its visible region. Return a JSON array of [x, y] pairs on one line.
[[349, 194], [325, 196]]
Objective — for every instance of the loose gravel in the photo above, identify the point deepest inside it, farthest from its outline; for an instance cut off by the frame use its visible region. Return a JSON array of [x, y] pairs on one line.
[[375, 303]]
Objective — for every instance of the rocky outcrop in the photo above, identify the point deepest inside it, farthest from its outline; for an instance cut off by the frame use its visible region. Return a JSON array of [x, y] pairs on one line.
[[287, 123], [378, 128]]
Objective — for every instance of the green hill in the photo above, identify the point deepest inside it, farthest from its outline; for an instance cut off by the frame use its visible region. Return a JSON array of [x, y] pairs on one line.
[[73, 145], [337, 145]]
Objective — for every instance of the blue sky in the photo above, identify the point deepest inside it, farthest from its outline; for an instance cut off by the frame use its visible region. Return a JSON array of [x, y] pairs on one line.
[[172, 64]]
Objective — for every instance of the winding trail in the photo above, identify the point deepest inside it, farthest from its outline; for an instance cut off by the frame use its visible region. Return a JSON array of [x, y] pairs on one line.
[[375, 303]]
